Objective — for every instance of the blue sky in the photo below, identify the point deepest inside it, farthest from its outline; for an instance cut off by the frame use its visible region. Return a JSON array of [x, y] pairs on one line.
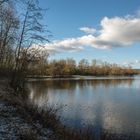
[[66, 19]]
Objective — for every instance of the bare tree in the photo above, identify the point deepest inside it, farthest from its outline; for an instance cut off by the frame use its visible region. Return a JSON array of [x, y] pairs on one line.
[[31, 34], [8, 31], [31, 29]]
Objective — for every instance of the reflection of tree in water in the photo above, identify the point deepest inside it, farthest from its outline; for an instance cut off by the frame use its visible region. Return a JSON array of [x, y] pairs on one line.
[[104, 82], [55, 84], [72, 84], [110, 82], [38, 91], [40, 88]]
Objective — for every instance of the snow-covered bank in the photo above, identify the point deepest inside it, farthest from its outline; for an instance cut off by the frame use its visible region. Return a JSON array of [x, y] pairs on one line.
[[13, 124]]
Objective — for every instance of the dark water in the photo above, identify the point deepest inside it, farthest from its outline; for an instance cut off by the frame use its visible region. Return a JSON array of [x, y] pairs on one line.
[[112, 105]]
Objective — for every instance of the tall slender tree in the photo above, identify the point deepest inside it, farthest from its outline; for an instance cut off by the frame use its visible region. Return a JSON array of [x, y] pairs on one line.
[[31, 35]]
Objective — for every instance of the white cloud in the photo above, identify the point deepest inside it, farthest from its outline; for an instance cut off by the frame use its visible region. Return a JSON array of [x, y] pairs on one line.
[[72, 44], [88, 30], [123, 31], [114, 32]]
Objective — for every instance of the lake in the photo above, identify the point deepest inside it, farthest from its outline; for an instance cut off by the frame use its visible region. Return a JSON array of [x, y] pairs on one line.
[[109, 104]]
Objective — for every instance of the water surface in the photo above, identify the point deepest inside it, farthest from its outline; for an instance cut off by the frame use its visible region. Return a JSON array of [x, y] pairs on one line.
[[112, 105]]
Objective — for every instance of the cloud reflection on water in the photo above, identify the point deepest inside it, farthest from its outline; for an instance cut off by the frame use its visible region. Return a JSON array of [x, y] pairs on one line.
[[111, 105]]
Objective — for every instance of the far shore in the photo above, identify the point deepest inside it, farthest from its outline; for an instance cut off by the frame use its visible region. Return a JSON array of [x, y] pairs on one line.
[[79, 77]]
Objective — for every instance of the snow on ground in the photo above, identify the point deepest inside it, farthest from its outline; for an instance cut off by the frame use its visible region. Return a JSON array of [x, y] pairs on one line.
[[13, 126]]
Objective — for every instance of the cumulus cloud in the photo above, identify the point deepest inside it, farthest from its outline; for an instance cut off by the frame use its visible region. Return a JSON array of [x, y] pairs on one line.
[[114, 32], [73, 44], [123, 31], [87, 30]]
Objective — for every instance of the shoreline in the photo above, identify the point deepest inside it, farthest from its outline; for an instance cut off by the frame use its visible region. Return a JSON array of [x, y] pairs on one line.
[[79, 77], [19, 120]]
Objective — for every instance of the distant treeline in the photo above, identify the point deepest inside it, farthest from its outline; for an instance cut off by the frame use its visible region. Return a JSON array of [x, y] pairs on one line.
[[70, 67]]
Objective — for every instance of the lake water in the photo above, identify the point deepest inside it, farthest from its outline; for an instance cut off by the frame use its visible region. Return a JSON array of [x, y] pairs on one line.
[[106, 104]]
